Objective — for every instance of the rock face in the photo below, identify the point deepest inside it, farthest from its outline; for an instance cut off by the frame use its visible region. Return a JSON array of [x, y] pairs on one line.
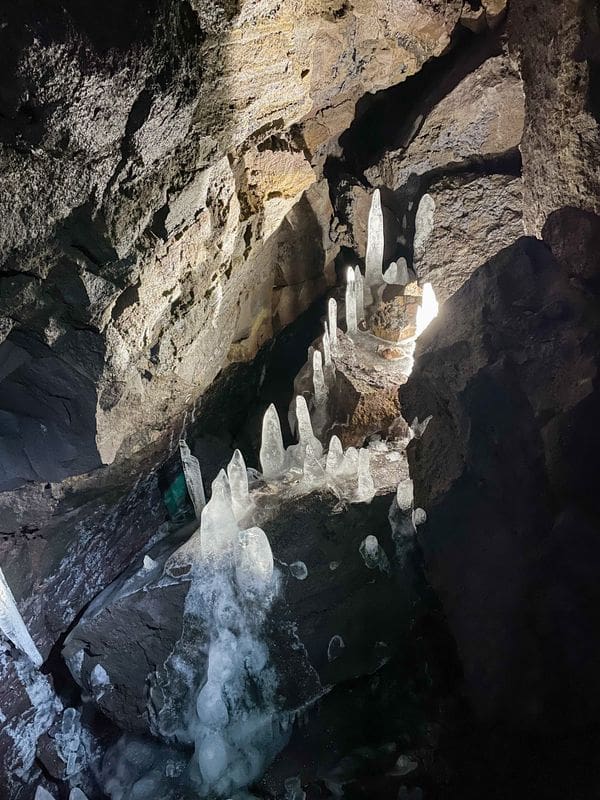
[[504, 469], [147, 157]]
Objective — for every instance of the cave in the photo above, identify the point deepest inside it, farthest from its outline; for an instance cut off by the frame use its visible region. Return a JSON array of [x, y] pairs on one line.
[[299, 400]]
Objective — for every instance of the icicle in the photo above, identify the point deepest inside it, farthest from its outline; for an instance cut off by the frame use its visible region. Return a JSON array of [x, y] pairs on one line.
[[218, 528], [351, 321], [366, 487], [306, 436], [319, 387], [193, 477], [375, 242], [272, 453], [335, 457], [428, 310], [238, 483], [12, 625], [360, 294], [254, 559], [312, 471], [332, 320], [326, 342]]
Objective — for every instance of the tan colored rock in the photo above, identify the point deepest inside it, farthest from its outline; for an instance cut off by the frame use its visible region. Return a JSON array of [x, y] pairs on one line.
[[395, 319], [482, 116], [474, 219]]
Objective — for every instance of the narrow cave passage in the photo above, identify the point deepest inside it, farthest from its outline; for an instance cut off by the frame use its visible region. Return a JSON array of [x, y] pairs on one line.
[[299, 336]]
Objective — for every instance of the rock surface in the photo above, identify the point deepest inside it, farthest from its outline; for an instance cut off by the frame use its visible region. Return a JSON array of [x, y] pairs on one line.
[[504, 470]]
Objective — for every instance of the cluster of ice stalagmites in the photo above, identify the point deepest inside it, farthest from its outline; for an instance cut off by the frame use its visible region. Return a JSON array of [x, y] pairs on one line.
[[305, 466]]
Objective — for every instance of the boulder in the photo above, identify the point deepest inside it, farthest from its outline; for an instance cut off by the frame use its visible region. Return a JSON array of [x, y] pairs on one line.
[[509, 373]]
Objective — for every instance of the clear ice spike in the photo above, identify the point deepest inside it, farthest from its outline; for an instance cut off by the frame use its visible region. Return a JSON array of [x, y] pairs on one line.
[[365, 485], [332, 322], [390, 276], [402, 272], [360, 294], [12, 625], [335, 457], [375, 242], [351, 320], [319, 387], [313, 472], [238, 483], [254, 560], [218, 528], [306, 436], [193, 477], [326, 343], [272, 452]]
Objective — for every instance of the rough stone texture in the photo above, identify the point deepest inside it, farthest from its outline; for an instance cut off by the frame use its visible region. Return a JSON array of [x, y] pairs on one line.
[[475, 217], [131, 633], [505, 470], [558, 47], [482, 116], [146, 153]]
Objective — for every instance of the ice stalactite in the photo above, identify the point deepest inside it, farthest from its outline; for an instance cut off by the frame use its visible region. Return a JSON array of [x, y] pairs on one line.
[[351, 320], [375, 243], [272, 452], [12, 625], [332, 322], [193, 477]]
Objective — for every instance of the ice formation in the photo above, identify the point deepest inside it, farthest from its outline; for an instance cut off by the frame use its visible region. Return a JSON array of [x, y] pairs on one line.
[[42, 794], [332, 321], [299, 570], [77, 794], [360, 294], [319, 387], [428, 310], [306, 436], [404, 495], [254, 560], [423, 225], [12, 625], [373, 554], [397, 273], [335, 647], [218, 526], [351, 318], [193, 477], [238, 483], [326, 344], [365, 486], [335, 457], [272, 452], [375, 242]]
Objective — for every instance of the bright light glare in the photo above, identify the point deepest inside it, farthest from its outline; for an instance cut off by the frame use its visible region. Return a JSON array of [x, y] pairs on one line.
[[428, 309]]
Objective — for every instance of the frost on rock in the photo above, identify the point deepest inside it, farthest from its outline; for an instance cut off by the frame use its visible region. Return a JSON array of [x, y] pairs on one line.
[[351, 316], [375, 242], [193, 477], [272, 452], [12, 625], [373, 554], [335, 647], [69, 741], [299, 570], [423, 225]]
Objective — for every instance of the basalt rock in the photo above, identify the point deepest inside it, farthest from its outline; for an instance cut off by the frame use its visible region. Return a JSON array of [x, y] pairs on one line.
[[509, 373]]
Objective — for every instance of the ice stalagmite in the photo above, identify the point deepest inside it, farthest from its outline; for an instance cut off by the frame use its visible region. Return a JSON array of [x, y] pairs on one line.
[[402, 272], [306, 436], [319, 387], [272, 452], [12, 625], [218, 528], [313, 472], [391, 274], [193, 477], [238, 483], [253, 560], [375, 241], [326, 342], [332, 322], [351, 321], [335, 457], [365, 484], [360, 294]]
